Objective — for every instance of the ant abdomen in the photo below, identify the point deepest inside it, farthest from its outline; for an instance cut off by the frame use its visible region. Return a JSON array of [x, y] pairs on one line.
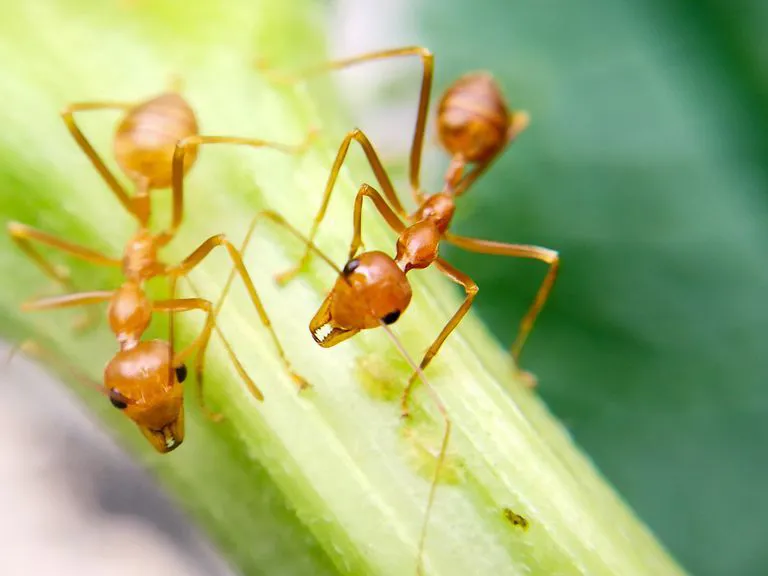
[[146, 139], [473, 119]]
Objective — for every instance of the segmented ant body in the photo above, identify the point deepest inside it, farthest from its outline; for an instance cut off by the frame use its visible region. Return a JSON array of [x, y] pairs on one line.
[[474, 126], [155, 145]]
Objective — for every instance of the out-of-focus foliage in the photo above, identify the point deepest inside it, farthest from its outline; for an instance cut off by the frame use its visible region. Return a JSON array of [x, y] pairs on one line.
[[645, 165]]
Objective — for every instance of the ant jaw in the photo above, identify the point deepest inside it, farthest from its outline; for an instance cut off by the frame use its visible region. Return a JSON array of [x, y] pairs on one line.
[[167, 438], [328, 335], [324, 330]]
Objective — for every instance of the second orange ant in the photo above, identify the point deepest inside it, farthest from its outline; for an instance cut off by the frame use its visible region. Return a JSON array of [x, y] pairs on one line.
[[474, 126], [155, 145]]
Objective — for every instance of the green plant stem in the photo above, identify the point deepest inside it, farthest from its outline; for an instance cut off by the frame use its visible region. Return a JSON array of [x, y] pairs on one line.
[[330, 480]]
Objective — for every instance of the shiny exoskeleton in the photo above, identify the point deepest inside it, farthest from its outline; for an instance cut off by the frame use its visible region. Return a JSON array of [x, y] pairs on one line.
[[156, 143]]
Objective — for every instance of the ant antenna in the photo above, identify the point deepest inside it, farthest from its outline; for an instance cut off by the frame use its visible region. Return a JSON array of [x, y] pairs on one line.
[[171, 352], [443, 445], [32, 348]]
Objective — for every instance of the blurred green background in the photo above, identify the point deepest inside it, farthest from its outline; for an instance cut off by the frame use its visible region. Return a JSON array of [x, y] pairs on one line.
[[645, 165]]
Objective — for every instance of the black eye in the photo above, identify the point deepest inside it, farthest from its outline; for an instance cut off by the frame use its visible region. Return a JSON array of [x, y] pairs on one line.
[[350, 267], [117, 400], [181, 373], [391, 318]]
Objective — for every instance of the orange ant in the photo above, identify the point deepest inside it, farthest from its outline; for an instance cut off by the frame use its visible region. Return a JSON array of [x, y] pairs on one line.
[[155, 145], [474, 125]]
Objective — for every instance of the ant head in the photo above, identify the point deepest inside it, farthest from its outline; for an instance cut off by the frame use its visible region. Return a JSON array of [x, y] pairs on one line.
[[371, 289], [145, 140], [472, 119], [141, 382]]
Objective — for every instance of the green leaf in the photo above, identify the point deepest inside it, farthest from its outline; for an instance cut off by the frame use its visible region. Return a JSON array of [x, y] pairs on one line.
[[645, 166], [330, 480]]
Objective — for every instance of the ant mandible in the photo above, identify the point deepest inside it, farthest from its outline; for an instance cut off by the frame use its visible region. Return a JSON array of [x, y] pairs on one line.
[[474, 126], [155, 145]]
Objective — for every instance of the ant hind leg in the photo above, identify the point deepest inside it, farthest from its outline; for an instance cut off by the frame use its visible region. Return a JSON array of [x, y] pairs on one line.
[[550, 257]]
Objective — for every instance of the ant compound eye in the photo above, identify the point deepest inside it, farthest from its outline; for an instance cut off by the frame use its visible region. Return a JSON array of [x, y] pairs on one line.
[[117, 400], [391, 318], [181, 373], [350, 267]]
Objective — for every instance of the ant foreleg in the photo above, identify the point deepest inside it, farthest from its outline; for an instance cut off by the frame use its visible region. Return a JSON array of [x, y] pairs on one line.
[[386, 212], [471, 290], [381, 177], [200, 344]]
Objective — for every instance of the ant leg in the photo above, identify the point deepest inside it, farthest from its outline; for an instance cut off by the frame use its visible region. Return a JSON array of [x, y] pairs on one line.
[[67, 300], [427, 60], [200, 344], [279, 220], [520, 121], [191, 142], [381, 177], [191, 261], [551, 257], [386, 212], [443, 445], [68, 115], [200, 359], [471, 290], [23, 236]]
